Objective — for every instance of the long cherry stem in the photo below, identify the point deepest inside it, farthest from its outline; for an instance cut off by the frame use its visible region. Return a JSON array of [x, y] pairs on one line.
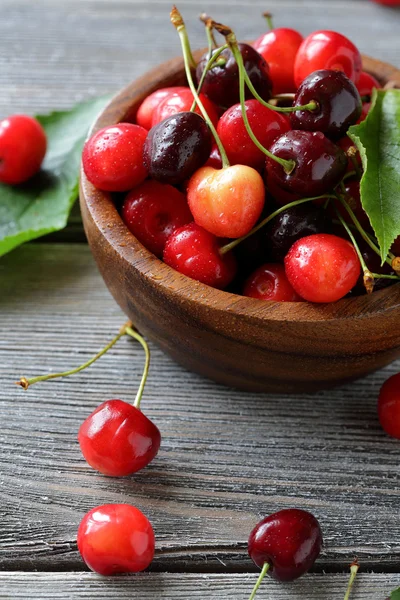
[[263, 573], [178, 23], [231, 245], [353, 573], [268, 17], [368, 277], [142, 341]]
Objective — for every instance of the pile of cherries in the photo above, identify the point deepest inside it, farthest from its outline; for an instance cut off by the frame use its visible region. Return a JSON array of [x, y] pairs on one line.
[[247, 180]]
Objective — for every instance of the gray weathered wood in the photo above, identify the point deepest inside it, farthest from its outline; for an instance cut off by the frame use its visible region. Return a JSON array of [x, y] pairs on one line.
[[164, 586], [227, 457]]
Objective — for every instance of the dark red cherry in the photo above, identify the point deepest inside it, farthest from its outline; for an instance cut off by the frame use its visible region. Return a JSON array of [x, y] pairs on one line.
[[396, 247], [338, 103], [389, 406], [175, 148], [214, 160], [193, 251], [281, 196], [117, 439], [292, 224], [269, 282], [289, 541], [152, 211], [221, 84], [319, 163], [353, 199], [373, 262]]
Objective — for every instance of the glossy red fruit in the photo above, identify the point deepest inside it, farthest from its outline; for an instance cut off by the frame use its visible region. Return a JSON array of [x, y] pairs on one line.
[[269, 282], [152, 211], [113, 157], [116, 538], [322, 267], [117, 439], [215, 160], [193, 251], [327, 50], [182, 102], [279, 48], [388, 2], [144, 116], [226, 202], [366, 107], [389, 406], [367, 83], [22, 148], [289, 540], [266, 125], [281, 196]]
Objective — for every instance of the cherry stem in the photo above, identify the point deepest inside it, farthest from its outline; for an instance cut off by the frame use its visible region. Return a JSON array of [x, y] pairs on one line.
[[263, 573], [178, 23], [268, 17], [25, 383], [351, 153], [212, 60], [208, 22], [288, 165], [231, 245], [353, 573], [136, 335]]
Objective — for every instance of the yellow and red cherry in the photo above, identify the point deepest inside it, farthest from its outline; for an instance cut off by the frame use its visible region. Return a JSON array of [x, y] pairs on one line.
[[144, 115], [269, 282]]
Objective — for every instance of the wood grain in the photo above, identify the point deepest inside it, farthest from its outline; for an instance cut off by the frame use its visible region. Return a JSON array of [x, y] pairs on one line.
[[164, 586], [227, 458]]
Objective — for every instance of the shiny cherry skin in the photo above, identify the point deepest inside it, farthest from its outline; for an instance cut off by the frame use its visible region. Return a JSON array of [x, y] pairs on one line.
[[292, 224], [177, 147], [214, 160], [226, 202], [280, 196], [269, 282], [338, 103], [144, 116], [152, 211], [289, 540], [389, 406], [116, 538], [322, 267], [221, 84], [327, 50], [366, 84], [266, 125], [193, 251], [353, 199], [320, 164], [279, 48], [22, 148], [113, 157], [117, 439], [182, 101]]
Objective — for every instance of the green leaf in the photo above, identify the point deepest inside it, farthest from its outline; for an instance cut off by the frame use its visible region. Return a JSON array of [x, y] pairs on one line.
[[395, 595], [378, 140], [43, 204]]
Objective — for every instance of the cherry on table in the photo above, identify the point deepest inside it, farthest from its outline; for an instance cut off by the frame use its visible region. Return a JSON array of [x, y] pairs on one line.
[[194, 252], [221, 83], [144, 115], [322, 267], [182, 101], [113, 157], [389, 406], [23, 146], [269, 282], [177, 147], [152, 211], [338, 103], [327, 50], [116, 538], [279, 47]]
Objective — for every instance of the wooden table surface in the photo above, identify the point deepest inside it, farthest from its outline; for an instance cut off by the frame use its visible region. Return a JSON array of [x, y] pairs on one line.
[[227, 458]]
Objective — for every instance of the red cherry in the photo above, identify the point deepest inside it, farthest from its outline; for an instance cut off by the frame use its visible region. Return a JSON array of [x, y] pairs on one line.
[[281, 196], [116, 538], [193, 251], [226, 202], [182, 102], [322, 267], [327, 50], [353, 199], [388, 2], [117, 439], [366, 107], [289, 541], [367, 83], [152, 211], [145, 111], [389, 406], [22, 148], [345, 143], [113, 157], [279, 48], [266, 124], [215, 160], [269, 282]]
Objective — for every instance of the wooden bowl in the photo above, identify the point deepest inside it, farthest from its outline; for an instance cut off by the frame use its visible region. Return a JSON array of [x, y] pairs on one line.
[[241, 342]]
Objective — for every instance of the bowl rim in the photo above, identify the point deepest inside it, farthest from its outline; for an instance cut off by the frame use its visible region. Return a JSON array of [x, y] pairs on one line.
[[111, 227]]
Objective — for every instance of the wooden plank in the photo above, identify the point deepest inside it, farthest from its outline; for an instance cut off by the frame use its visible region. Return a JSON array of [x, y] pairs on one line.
[[227, 458], [164, 586]]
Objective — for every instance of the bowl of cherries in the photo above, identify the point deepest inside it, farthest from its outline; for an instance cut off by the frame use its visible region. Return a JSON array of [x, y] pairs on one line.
[[241, 216]]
